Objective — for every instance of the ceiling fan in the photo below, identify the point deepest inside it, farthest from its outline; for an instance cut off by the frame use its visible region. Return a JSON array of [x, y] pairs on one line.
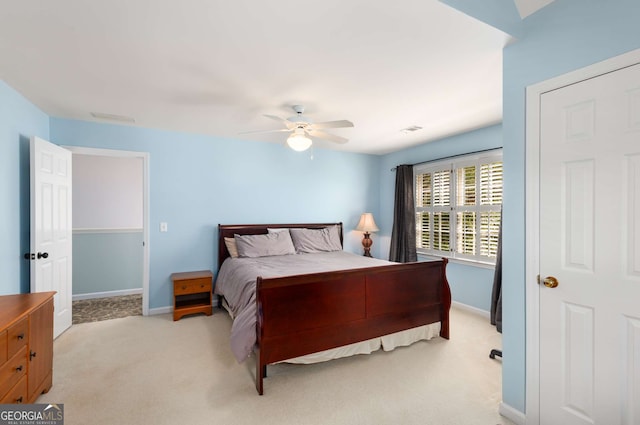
[[301, 127]]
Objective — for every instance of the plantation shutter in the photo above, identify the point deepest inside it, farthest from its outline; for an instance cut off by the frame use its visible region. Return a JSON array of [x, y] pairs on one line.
[[458, 207]]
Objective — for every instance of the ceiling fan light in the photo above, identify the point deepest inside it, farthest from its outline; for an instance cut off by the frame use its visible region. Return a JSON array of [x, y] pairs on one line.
[[299, 142]]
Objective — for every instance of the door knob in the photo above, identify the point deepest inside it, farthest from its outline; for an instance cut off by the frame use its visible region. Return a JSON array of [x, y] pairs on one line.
[[43, 255], [550, 282]]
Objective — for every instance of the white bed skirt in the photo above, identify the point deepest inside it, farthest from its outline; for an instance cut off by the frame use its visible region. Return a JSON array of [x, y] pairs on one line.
[[386, 342]]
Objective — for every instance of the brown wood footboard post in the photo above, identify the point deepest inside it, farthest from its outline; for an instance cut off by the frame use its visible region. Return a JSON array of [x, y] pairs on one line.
[[260, 369], [446, 301]]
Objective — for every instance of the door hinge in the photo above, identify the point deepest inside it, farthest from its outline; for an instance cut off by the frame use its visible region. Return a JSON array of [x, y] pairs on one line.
[[538, 279]]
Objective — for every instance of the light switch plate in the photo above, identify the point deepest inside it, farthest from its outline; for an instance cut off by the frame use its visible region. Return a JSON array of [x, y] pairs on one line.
[[163, 226]]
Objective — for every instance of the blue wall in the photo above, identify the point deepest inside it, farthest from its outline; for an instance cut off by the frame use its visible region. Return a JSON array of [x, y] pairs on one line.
[[469, 284], [199, 181], [19, 120], [564, 36]]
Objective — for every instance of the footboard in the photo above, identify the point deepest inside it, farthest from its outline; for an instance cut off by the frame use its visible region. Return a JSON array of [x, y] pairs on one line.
[[304, 314]]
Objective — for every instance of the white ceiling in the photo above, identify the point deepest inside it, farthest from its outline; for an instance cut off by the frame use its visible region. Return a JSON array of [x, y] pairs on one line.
[[215, 67]]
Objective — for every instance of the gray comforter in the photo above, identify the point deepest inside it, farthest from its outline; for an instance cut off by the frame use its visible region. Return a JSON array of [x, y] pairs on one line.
[[236, 281]]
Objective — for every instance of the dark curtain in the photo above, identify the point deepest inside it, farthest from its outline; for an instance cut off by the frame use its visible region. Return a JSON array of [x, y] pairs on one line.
[[496, 293], [403, 234]]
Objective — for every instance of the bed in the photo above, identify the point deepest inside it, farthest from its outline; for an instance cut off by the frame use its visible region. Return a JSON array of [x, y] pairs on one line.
[[322, 307]]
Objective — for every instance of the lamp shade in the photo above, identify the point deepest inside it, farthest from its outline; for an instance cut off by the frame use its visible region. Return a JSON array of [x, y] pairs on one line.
[[298, 141], [367, 223]]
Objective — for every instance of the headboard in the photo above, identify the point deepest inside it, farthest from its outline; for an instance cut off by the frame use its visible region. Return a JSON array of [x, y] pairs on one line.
[[228, 230]]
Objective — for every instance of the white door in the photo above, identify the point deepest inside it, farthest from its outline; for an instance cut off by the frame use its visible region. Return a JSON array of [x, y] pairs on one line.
[[51, 230], [590, 243]]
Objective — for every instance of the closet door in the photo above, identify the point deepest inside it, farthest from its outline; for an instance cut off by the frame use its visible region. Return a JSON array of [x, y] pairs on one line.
[[590, 251]]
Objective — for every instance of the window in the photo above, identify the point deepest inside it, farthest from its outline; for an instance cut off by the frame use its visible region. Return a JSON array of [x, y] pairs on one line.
[[458, 204]]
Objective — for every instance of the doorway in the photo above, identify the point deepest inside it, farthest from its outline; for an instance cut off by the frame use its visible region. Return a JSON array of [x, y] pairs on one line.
[[110, 232]]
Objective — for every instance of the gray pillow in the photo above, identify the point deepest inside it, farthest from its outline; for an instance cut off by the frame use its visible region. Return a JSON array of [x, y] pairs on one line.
[[334, 238], [280, 229], [264, 245], [316, 240]]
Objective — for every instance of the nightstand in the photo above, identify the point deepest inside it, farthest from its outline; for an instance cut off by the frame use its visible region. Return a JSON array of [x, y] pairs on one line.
[[191, 293]]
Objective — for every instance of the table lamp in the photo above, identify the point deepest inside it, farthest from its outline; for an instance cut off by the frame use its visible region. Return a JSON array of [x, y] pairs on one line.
[[367, 224]]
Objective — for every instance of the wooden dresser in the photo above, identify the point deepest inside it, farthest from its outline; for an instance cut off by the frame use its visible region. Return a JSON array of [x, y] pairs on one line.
[[26, 346]]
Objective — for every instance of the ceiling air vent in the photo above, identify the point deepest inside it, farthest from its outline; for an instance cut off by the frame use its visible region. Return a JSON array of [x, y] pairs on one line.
[[112, 117], [411, 129]]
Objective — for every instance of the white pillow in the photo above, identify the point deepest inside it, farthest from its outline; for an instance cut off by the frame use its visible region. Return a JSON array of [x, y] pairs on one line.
[[231, 247]]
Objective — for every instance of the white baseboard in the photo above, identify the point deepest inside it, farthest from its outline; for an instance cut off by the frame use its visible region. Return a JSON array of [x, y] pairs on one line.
[[106, 294], [471, 309], [512, 414], [160, 310]]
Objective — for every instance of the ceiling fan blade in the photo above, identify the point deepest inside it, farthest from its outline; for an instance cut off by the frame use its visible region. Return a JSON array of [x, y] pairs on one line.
[[265, 131], [333, 124], [288, 123], [327, 136]]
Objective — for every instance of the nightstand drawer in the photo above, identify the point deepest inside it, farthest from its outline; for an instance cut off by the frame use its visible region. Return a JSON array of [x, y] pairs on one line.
[[17, 336], [193, 286], [13, 370]]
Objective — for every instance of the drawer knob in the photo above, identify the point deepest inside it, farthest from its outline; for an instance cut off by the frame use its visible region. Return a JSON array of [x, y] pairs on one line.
[[32, 354], [19, 368], [19, 400], [21, 336], [184, 286]]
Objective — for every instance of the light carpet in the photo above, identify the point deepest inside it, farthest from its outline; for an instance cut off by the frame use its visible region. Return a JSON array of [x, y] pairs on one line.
[[152, 370]]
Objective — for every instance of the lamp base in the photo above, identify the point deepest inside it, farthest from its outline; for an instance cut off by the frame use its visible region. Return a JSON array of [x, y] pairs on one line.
[[366, 243]]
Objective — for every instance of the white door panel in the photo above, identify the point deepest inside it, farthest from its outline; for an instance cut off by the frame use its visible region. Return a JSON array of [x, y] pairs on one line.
[[51, 228], [590, 242]]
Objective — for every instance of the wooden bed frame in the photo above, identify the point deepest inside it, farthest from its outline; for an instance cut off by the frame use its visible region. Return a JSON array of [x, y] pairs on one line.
[[333, 309]]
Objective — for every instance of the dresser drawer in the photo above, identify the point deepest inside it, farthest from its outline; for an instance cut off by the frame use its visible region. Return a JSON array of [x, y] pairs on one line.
[[17, 394], [3, 347], [192, 286], [13, 370], [17, 336]]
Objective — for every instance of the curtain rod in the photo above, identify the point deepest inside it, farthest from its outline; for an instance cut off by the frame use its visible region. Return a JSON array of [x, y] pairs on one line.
[[449, 157]]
